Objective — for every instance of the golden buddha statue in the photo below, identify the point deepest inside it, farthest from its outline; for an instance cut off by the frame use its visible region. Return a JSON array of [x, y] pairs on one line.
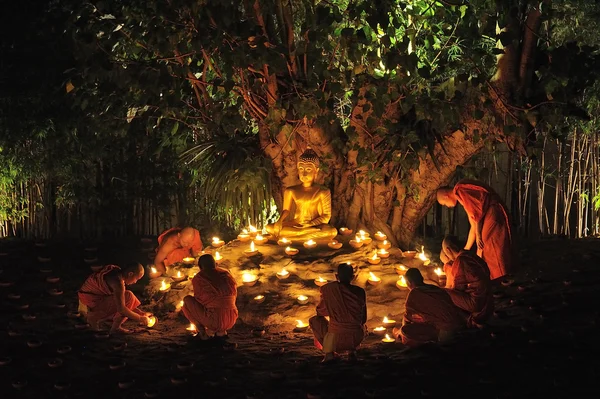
[[310, 204]]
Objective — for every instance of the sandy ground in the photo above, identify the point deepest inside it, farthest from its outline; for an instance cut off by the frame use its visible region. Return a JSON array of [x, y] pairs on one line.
[[542, 342]]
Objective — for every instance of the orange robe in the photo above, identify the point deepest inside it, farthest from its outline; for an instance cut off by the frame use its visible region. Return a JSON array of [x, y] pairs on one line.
[[179, 252], [430, 315], [213, 303], [346, 306], [98, 297], [481, 203], [471, 289]]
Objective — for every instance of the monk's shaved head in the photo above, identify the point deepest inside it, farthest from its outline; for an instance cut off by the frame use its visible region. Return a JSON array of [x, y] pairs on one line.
[[207, 262], [445, 196], [345, 273], [132, 272], [413, 276], [186, 236], [451, 247]]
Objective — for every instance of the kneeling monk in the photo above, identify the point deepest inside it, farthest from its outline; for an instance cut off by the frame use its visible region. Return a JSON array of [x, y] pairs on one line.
[[212, 308], [346, 306], [104, 297], [176, 244], [430, 314], [468, 282]]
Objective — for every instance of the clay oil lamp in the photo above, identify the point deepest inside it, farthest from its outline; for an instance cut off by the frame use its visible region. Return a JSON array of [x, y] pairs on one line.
[[302, 299], [177, 380], [345, 231], [62, 385], [164, 286], [217, 242], [192, 328], [385, 244], [151, 394], [19, 384], [320, 281], [379, 236], [28, 317], [356, 243], [102, 335], [244, 236], [14, 333], [13, 296], [283, 242], [5, 361], [60, 305], [153, 272], [82, 326], [178, 278], [381, 330], [54, 363], [117, 365], [400, 269], [409, 254], [375, 259], [259, 299], [218, 257], [22, 306], [252, 231], [373, 279], [45, 270], [185, 365], [126, 384], [423, 257], [54, 292], [389, 323], [300, 326], [52, 279], [334, 244], [283, 274], [63, 350], [440, 275], [401, 283], [383, 253], [310, 244], [5, 283], [151, 321], [90, 261], [189, 260], [365, 237], [34, 343], [388, 339], [291, 251], [249, 279], [260, 239], [251, 251]]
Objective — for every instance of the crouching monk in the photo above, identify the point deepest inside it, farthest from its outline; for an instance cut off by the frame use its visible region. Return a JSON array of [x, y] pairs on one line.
[[490, 226], [103, 297], [176, 244], [468, 282], [346, 306], [310, 205], [430, 314], [212, 308]]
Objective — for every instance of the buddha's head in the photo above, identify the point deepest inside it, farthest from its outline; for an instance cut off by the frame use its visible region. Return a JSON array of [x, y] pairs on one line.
[[308, 167]]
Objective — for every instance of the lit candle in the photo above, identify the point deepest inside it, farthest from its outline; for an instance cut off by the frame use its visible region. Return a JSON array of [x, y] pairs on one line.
[[217, 242], [151, 321], [363, 233], [180, 304], [218, 257], [291, 251], [374, 260], [283, 274], [244, 236], [153, 272], [345, 231], [379, 330], [192, 328], [189, 260], [356, 243], [334, 244], [365, 237], [252, 250], [379, 236], [320, 281], [302, 299], [400, 269], [283, 242], [373, 279], [383, 253], [388, 339], [164, 286], [310, 244], [249, 279], [401, 283], [179, 274], [385, 244], [439, 271], [260, 240], [253, 231], [259, 298], [423, 257], [300, 325], [389, 322]]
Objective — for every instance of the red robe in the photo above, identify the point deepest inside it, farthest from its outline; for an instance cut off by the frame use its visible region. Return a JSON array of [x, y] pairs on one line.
[[213, 303], [481, 203], [429, 314], [346, 306], [98, 297], [179, 252], [470, 288]]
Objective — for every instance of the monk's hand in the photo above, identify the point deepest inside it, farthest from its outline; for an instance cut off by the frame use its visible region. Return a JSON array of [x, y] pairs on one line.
[[144, 320]]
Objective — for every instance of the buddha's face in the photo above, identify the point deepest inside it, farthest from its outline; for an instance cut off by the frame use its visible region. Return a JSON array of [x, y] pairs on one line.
[[307, 171]]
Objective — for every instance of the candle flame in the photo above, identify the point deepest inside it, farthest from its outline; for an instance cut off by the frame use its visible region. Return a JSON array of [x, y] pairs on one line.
[[179, 274], [252, 247], [283, 272], [343, 228], [388, 338], [382, 251], [248, 277], [302, 297], [163, 286], [321, 279], [401, 267], [259, 237], [218, 256], [357, 239], [285, 240], [216, 240], [300, 324], [380, 328], [252, 228], [385, 320], [153, 269], [422, 253], [334, 242], [180, 304], [402, 281], [258, 297], [374, 257], [373, 277], [439, 271], [245, 231], [385, 242], [151, 321], [310, 242], [362, 232], [191, 327]]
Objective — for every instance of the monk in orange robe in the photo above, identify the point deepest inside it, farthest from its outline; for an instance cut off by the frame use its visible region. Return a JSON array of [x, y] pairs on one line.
[[468, 282], [346, 306], [103, 297], [430, 314], [176, 244], [490, 225], [212, 308]]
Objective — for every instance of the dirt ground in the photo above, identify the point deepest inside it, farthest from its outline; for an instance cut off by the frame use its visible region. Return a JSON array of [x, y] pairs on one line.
[[541, 343]]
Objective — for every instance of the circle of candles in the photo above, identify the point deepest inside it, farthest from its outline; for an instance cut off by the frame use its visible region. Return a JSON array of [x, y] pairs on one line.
[[283, 274], [164, 286], [381, 330], [388, 322], [260, 240], [126, 384], [189, 260], [5, 361], [401, 283], [302, 299], [259, 299], [291, 251], [310, 244], [385, 244], [345, 231], [217, 242], [53, 279], [63, 350], [284, 242], [151, 321], [251, 251], [374, 260], [373, 279], [62, 385], [34, 343], [356, 243], [55, 292], [383, 253], [388, 339], [55, 363], [13, 295], [409, 254], [300, 326], [320, 281], [218, 257], [379, 236], [249, 279], [334, 244], [28, 317]]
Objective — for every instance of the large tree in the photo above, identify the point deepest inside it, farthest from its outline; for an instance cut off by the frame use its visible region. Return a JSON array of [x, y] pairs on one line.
[[393, 94]]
